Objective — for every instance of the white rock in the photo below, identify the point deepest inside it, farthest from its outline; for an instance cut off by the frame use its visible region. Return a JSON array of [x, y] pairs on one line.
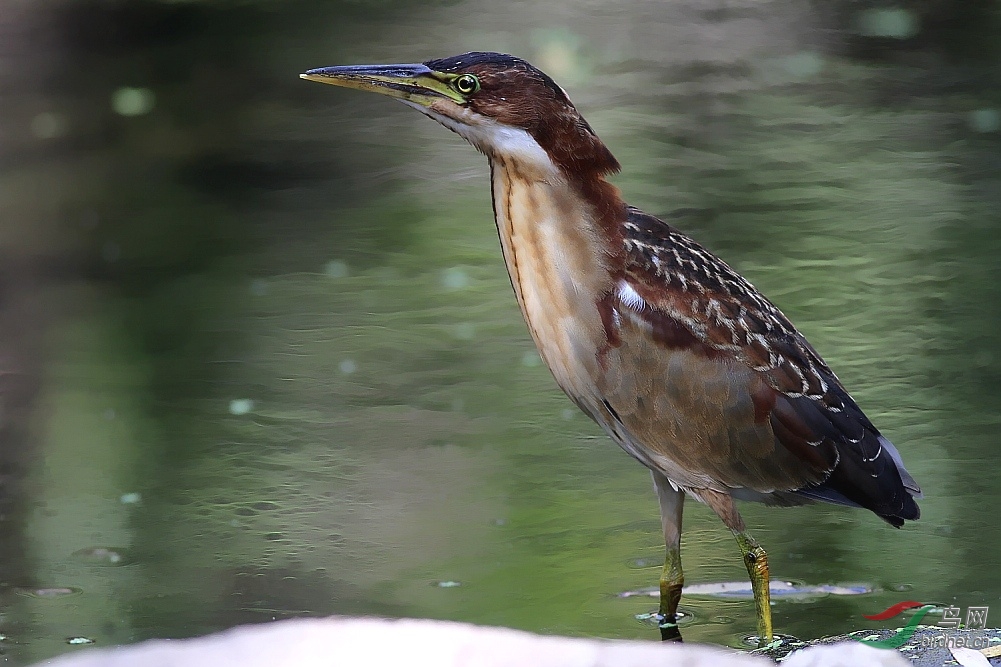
[[845, 654], [374, 642]]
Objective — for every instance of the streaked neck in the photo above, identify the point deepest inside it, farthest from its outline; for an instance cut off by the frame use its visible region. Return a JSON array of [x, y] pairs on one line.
[[557, 258]]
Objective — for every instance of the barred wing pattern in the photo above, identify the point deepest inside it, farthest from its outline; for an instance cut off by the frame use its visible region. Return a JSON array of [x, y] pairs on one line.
[[691, 299]]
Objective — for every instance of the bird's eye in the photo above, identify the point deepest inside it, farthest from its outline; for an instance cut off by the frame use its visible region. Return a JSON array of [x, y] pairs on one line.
[[467, 84]]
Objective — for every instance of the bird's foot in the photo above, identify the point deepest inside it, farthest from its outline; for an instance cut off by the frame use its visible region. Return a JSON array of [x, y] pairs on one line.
[[779, 647], [669, 631]]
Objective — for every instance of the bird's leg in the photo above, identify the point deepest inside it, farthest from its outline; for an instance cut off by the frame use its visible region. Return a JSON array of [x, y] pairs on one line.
[[672, 579], [755, 558], [756, 561]]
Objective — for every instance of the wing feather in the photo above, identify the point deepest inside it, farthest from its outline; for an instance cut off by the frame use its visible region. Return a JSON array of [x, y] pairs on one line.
[[693, 300]]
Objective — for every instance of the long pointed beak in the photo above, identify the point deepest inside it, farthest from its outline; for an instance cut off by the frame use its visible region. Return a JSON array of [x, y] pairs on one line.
[[415, 83]]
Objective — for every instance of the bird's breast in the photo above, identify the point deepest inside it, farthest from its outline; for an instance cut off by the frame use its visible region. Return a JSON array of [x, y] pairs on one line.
[[557, 263]]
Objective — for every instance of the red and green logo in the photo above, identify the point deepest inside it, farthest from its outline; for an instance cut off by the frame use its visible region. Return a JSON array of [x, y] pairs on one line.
[[905, 633]]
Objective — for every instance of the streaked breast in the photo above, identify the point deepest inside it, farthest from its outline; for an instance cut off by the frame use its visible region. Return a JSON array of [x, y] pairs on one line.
[[557, 266]]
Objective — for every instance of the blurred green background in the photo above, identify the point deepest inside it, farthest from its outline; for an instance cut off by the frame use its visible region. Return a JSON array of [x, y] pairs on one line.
[[259, 356]]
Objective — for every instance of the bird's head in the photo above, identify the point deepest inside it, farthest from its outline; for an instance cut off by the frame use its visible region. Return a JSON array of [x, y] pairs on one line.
[[505, 107]]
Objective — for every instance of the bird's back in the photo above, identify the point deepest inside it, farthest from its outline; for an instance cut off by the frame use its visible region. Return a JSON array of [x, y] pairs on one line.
[[709, 382]]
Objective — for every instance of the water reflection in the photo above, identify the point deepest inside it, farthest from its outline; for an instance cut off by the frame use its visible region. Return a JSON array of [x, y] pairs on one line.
[[274, 316]]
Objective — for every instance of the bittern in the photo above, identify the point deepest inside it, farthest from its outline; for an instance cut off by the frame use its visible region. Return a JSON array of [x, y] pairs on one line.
[[681, 361]]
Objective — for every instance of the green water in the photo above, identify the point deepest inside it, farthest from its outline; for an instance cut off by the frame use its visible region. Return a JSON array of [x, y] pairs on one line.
[[261, 359]]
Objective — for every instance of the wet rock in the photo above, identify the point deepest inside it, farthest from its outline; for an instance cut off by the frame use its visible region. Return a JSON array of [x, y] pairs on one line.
[[931, 646]]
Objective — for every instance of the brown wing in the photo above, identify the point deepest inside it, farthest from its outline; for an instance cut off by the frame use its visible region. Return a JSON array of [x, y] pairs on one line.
[[692, 300]]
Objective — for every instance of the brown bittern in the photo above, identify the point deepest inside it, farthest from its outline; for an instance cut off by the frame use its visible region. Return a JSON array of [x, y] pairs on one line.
[[680, 360]]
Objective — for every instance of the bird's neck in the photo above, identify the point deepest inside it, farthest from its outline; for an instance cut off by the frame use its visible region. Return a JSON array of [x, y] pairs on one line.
[[561, 243]]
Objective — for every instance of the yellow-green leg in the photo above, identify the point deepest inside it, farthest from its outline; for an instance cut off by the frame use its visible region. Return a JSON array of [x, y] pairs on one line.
[[756, 561], [755, 558], [672, 579]]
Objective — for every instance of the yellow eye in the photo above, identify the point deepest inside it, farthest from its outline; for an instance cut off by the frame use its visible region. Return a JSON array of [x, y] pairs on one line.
[[467, 84]]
